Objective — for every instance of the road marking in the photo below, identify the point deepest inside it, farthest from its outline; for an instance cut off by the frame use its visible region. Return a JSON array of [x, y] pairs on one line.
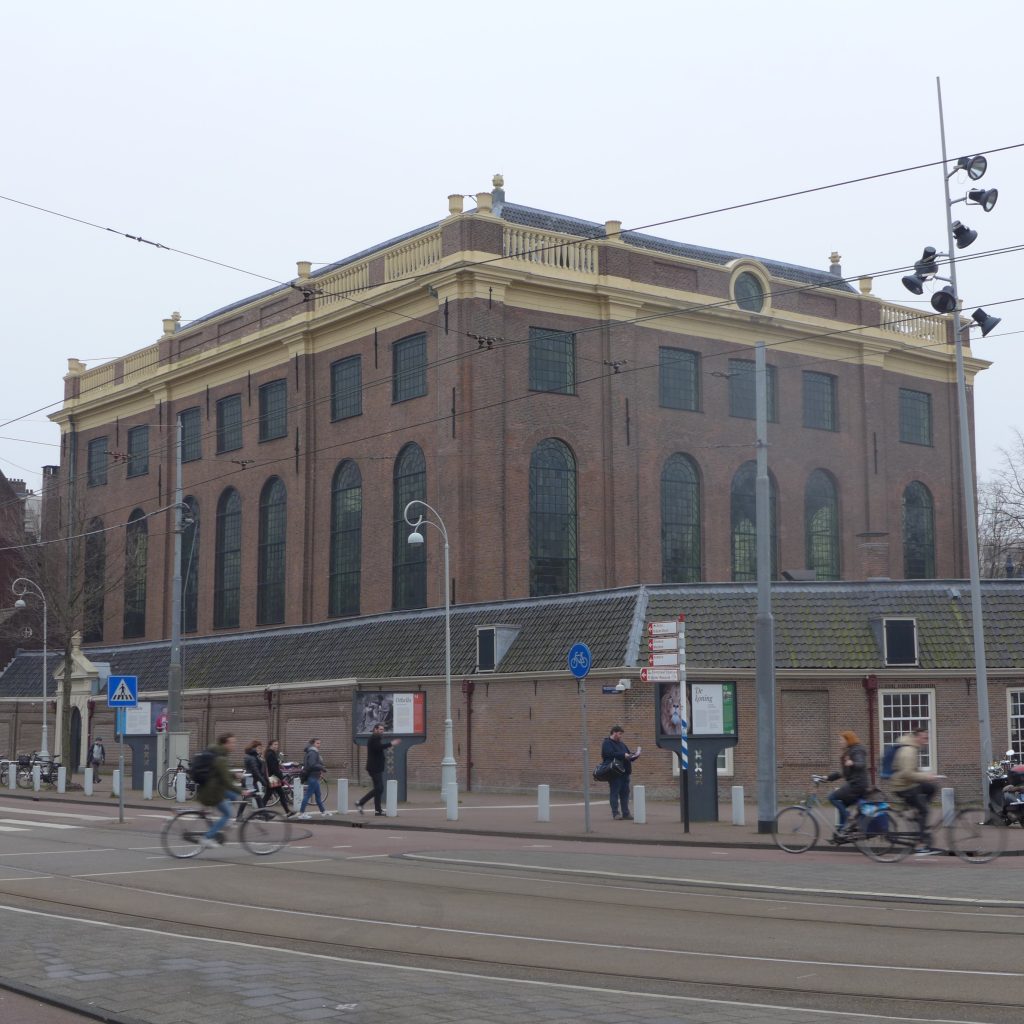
[[33, 824], [348, 847], [4, 828], [53, 853], [532, 982], [367, 856], [965, 901], [146, 871], [53, 814]]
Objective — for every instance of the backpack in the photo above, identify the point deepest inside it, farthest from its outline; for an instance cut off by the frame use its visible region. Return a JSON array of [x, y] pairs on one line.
[[888, 766], [201, 767]]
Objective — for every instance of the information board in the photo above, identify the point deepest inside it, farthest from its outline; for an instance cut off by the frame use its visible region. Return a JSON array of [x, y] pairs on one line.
[[401, 713]]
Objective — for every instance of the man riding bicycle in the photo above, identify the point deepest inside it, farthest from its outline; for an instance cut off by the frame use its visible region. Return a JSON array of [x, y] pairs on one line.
[[219, 789], [915, 787]]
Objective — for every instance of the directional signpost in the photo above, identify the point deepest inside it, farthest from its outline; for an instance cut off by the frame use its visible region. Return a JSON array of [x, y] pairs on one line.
[[666, 660], [580, 659], [122, 693]]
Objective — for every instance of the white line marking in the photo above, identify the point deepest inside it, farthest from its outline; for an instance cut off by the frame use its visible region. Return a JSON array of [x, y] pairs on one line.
[[677, 880], [34, 824], [8, 809], [6, 829], [26, 878], [146, 871], [54, 853], [262, 950], [367, 856], [348, 847]]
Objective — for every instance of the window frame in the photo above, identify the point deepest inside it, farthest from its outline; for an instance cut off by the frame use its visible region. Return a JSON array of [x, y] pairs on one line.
[[665, 392], [739, 370], [812, 537], [338, 395], [408, 561], [95, 565], [221, 565], [136, 578], [916, 663], [1015, 694], [342, 578], [682, 528], [272, 554], [829, 421], [232, 402], [134, 458], [543, 523], [188, 442], [408, 383], [545, 361], [928, 759], [906, 418], [189, 567], [97, 469], [929, 550], [273, 391]]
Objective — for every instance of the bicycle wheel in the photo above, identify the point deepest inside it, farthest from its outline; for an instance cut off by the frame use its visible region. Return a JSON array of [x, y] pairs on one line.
[[165, 787], [265, 832], [885, 837], [24, 778], [796, 829], [973, 841], [325, 788], [180, 836]]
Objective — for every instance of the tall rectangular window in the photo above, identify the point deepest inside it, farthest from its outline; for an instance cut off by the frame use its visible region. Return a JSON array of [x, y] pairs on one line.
[[409, 368], [903, 711], [552, 361], [820, 401], [347, 388], [742, 390], [915, 416], [191, 435], [273, 410], [679, 379], [229, 424], [1016, 699], [97, 462], [138, 451]]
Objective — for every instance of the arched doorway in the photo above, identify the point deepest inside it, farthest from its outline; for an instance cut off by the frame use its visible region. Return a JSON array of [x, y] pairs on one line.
[[74, 759]]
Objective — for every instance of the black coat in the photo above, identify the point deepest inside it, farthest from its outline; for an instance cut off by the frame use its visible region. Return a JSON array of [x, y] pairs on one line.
[[616, 748], [855, 774], [257, 769], [375, 748]]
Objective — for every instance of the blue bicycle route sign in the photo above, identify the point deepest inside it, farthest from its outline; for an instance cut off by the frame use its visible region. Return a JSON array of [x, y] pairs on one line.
[[580, 660]]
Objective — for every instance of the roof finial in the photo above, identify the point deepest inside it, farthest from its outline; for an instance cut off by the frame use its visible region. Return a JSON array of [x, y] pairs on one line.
[[498, 181], [835, 267]]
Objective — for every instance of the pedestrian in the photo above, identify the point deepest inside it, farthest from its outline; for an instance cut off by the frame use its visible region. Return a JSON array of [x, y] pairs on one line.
[[613, 749], [255, 766], [97, 756], [313, 767], [219, 788], [375, 766], [916, 787], [275, 778], [853, 759]]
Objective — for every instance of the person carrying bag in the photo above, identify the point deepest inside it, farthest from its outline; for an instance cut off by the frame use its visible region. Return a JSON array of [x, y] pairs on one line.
[[619, 760]]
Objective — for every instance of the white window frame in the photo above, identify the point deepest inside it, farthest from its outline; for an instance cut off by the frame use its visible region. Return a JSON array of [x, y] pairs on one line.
[[929, 762], [1014, 695], [726, 763]]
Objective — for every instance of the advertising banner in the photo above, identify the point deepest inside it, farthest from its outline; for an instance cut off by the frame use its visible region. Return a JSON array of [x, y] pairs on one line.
[[401, 714]]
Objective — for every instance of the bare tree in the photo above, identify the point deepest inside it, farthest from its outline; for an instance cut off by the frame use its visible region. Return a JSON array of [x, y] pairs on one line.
[[1001, 514]]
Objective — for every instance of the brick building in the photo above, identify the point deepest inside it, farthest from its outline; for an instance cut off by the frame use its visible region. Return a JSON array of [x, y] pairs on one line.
[[574, 400]]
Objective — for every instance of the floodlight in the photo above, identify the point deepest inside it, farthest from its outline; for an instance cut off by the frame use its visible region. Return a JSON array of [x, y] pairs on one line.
[[944, 300], [984, 321], [975, 166], [963, 235], [984, 197]]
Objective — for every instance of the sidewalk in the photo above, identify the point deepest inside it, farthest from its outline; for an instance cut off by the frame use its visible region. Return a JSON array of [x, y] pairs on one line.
[[512, 815]]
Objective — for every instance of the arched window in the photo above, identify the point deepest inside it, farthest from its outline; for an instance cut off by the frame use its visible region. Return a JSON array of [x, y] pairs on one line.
[[136, 559], [272, 546], [190, 566], [680, 520], [346, 540], [918, 532], [408, 561], [554, 554], [227, 562], [821, 525], [743, 519], [95, 581]]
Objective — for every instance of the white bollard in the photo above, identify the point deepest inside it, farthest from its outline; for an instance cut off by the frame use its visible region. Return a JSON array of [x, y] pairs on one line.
[[36, 778], [738, 809], [948, 805], [544, 803], [246, 781], [297, 789], [62, 779], [147, 785], [451, 803], [391, 804], [343, 796], [115, 784], [179, 787], [88, 781], [640, 805], [12, 775]]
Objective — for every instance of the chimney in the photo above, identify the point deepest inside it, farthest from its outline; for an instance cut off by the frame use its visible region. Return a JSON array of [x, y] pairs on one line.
[[835, 266]]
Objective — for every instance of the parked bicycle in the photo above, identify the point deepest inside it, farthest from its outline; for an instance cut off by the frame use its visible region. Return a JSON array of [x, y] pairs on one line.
[[290, 771], [23, 766], [167, 786], [798, 827], [260, 831]]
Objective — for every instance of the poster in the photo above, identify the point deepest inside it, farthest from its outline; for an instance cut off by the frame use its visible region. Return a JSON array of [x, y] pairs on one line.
[[671, 713], [401, 714], [137, 720], [713, 708]]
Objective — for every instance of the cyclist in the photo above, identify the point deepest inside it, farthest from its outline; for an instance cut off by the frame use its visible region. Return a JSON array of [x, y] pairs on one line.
[[219, 788], [914, 786], [854, 773]]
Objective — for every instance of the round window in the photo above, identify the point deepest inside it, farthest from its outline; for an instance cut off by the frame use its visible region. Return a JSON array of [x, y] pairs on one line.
[[749, 293]]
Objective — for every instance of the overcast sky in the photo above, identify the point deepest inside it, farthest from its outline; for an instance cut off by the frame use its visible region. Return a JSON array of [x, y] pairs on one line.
[[258, 134]]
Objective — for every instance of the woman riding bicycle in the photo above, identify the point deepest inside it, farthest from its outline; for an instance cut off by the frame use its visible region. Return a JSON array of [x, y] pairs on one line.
[[854, 773]]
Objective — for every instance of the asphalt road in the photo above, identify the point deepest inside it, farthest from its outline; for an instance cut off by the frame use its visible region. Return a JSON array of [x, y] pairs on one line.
[[352, 924]]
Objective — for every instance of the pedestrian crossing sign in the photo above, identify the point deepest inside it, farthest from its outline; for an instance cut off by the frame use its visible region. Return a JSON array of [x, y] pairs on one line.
[[122, 691]]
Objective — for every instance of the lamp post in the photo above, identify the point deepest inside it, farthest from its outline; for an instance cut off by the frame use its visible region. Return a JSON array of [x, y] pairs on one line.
[[21, 587], [448, 765]]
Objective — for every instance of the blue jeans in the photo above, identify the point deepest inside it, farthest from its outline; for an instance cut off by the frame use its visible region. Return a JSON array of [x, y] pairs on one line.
[[225, 812], [312, 790], [618, 793]]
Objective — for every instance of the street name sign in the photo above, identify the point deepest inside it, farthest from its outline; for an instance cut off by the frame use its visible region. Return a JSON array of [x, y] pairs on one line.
[[669, 659], [659, 675], [663, 643]]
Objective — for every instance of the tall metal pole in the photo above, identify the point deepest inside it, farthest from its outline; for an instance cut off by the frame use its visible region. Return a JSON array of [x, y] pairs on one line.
[[764, 630], [967, 481], [46, 738], [175, 723], [20, 587]]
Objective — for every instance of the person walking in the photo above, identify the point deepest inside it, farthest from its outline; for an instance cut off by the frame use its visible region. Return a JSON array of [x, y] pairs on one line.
[[375, 767], [276, 779], [255, 767], [97, 756], [219, 789], [313, 767], [916, 787], [612, 749], [853, 759]]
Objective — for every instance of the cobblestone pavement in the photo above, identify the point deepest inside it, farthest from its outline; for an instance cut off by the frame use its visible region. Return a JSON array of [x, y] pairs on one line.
[[153, 978]]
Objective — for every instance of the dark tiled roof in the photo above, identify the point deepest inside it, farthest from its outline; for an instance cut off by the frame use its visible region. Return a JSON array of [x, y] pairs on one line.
[[817, 626]]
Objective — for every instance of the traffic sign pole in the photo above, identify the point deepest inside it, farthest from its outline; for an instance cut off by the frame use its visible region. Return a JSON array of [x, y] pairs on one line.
[[580, 660], [122, 692]]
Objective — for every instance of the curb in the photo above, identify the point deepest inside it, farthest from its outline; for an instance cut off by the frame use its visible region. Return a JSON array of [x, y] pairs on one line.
[[65, 1003]]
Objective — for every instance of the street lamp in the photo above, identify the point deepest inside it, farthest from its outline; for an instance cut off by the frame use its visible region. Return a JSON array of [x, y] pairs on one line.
[[21, 587], [449, 778]]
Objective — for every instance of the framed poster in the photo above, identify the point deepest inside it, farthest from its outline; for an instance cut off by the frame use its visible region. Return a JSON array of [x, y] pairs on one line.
[[401, 714], [671, 711], [713, 706]]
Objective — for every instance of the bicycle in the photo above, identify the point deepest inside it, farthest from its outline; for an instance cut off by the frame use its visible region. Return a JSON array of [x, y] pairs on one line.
[[893, 833], [167, 787], [261, 831], [47, 771], [289, 773], [798, 826]]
